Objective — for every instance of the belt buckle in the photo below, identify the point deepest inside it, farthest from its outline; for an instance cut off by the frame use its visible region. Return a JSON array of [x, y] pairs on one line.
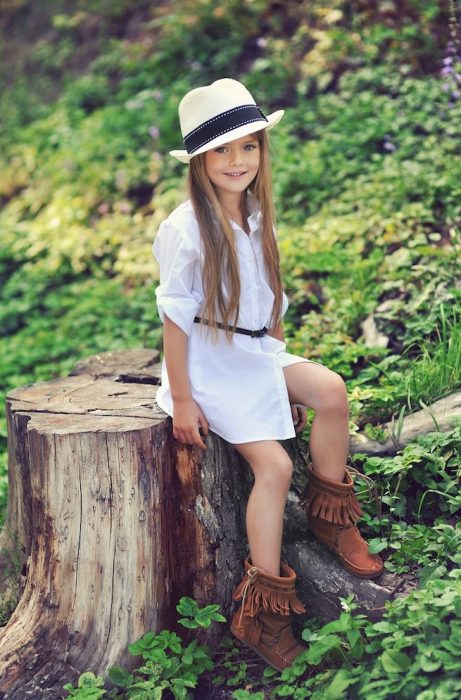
[[259, 334]]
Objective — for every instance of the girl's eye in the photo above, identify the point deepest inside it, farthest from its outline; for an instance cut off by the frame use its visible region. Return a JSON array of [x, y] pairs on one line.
[[220, 149], [250, 147]]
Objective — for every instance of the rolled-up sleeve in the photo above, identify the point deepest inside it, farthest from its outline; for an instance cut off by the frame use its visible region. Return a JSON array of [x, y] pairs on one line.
[[178, 258]]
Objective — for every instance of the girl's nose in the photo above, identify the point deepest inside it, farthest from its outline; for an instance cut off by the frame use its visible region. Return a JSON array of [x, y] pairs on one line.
[[236, 157]]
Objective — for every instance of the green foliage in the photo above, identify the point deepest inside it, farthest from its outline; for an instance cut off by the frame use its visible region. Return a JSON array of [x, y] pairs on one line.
[[429, 548], [422, 481], [413, 652], [247, 695], [232, 671], [379, 168], [197, 617], [89, 687], [419, 636], [331, 304], [437, 371], [169, 665]]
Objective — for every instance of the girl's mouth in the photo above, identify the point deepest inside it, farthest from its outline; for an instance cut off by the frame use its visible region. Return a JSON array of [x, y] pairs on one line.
[[236, 174]]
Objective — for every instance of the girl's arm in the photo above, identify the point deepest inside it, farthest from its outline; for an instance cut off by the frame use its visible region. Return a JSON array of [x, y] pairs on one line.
[[187, 416]]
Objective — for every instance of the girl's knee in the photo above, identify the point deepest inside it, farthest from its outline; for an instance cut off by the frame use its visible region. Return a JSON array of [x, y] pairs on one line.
[[278, 472], [335, 394]]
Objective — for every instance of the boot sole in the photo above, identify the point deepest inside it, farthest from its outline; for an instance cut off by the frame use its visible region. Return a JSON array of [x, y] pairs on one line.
[[360, 575], [258, 652], [345, 564], [350, 569]]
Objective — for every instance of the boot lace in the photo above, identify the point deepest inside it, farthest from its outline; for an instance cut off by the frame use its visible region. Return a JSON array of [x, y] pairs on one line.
[[371, 490], [252, 575]]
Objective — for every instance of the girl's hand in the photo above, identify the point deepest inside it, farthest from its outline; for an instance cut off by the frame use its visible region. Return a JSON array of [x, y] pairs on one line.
[[299, 414], [188, 420]]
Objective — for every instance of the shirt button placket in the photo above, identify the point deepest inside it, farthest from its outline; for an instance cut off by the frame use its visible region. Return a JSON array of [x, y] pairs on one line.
[[254, 288]]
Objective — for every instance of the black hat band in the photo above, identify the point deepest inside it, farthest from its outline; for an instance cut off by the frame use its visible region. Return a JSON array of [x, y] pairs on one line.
[[221, 124]]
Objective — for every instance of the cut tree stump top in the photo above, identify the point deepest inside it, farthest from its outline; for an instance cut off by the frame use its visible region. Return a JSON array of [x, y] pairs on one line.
[[115, 385]]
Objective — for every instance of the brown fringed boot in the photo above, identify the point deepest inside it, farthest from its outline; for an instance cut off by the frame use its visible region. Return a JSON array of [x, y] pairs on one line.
[[263, 623], [332, 511]]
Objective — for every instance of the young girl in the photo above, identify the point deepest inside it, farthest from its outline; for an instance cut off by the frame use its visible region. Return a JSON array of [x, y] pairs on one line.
[[226, 368]]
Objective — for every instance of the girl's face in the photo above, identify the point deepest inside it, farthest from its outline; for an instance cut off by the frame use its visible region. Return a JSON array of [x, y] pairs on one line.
[[233, 166]]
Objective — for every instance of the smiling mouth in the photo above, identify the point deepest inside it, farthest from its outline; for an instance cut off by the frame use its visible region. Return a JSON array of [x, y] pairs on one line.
[[236, 174]]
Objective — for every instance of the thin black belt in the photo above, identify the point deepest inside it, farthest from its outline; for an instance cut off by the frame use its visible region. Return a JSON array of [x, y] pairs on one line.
[[236, 329]]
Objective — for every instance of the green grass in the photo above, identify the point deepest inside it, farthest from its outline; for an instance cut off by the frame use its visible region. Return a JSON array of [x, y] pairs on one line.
[[437, 372]]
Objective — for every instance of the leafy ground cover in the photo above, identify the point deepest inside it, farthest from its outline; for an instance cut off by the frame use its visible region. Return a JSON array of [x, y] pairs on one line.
[[397, 657], [367, 185]]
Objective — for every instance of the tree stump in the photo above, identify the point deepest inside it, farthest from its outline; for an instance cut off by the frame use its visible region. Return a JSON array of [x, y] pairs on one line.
[[117, 522]]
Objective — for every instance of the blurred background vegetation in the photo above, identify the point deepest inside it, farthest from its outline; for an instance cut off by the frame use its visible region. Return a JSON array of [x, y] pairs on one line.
[[367, 184]]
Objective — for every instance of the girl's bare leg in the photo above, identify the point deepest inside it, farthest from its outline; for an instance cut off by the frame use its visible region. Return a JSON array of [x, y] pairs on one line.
[[272, 469], [319, 388]]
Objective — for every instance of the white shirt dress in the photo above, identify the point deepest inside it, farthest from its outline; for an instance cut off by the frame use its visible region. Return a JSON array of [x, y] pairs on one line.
[[239, 386]]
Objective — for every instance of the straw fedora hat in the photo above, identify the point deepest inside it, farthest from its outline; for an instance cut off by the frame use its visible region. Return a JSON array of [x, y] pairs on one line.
[[218, 113]]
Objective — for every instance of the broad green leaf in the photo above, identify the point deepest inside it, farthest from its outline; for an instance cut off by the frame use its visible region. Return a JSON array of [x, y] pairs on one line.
[[382, 626], [395, 661], [352, 636], [187, 606], [429, 665], [120, 676], [341, 680], [320, 648], [187, 658], [203, 620], [341, 625], [190, 624], [87, 680], [377, 545], [358, 650]]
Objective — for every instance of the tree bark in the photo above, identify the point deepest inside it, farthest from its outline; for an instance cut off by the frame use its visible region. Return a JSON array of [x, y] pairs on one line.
[[117, 522]]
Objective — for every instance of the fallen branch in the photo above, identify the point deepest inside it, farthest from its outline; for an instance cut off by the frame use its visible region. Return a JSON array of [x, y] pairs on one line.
[[440, 416]]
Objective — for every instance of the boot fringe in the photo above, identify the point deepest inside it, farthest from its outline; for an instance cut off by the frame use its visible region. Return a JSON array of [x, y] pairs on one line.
[[322, 503], [256, 597]]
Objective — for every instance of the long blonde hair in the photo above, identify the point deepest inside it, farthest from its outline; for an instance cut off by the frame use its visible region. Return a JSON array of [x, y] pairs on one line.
[[220, 262]]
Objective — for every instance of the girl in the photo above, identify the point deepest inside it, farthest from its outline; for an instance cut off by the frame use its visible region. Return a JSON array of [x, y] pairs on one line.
[[225, 365]]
